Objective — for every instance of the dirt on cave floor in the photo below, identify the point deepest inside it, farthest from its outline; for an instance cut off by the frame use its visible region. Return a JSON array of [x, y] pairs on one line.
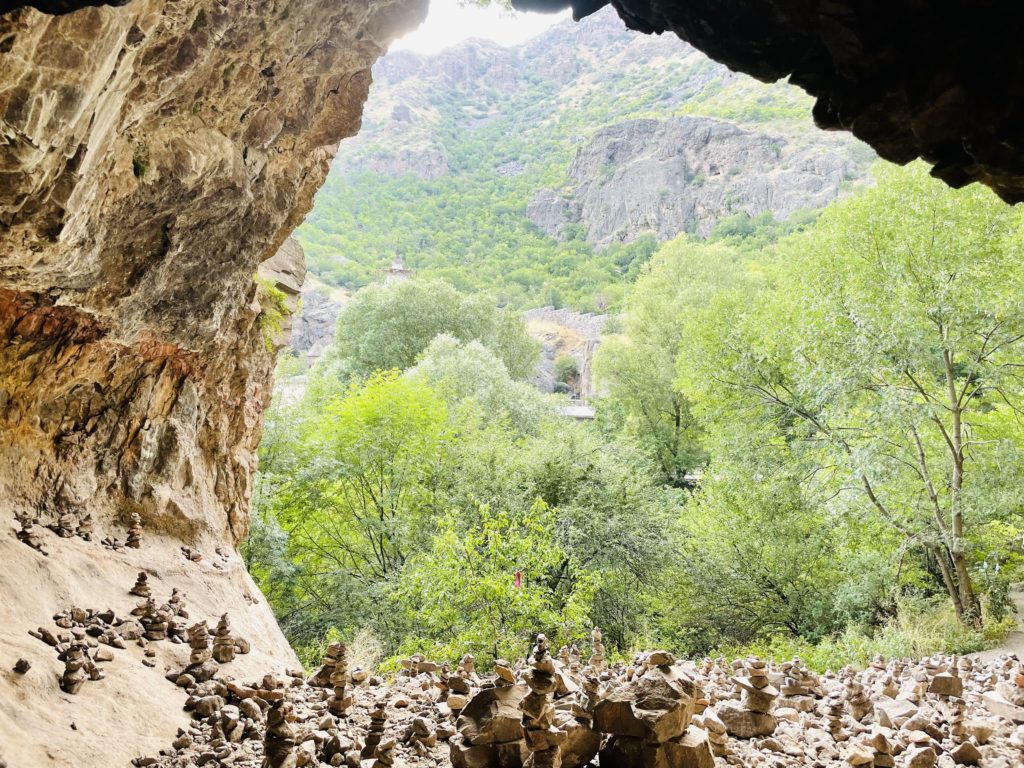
[[133, 710]]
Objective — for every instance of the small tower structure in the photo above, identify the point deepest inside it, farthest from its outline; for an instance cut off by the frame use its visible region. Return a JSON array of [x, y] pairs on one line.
[[397, 272]]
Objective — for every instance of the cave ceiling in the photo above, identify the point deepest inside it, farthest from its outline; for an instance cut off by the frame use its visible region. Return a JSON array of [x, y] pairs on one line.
[[935, 80]]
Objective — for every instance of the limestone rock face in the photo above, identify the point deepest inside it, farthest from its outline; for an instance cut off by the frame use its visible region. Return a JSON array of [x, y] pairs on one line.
[[316, 323], [154, 158], [662, 177], [156, 153]]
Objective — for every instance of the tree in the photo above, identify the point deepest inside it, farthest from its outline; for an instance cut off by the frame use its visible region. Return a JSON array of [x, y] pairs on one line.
[[462, 593], [567, 374], [388, 327], [637, 368], [360, 493], [467, 374], [884, 348]]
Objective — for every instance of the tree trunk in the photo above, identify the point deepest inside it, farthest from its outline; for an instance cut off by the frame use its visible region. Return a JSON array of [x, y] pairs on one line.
[[967, 598]]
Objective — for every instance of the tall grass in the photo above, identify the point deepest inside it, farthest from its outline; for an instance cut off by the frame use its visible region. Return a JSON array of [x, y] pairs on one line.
[[920, 628]]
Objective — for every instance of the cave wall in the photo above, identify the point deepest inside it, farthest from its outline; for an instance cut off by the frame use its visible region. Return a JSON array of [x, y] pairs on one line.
[[153, 155]]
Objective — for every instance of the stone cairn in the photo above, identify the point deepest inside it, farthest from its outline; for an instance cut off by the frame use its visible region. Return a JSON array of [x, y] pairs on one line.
[[223, 642], [542, 737], [374, 736], [752, 717], [199, 642], [141, 587], [176, 631], [322, 677], [177, 603], [27, 534], [201, 666], [649, 718], [575, 661], [135, 532], [834, 710], [86, 527], [717, 735], [78, 667], [340, 701], [858, 700], [799, 686], [597, 656], [279, 741], [458, 687], [66, 525]]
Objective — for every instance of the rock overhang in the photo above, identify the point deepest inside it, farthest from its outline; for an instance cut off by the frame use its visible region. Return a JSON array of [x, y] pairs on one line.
[[914, 80]]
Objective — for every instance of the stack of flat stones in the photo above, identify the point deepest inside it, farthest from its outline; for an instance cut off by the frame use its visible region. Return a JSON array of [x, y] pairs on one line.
[[799, 687], [858, 701], [223, 642], [341, 701], [375, 734], [542, 737], [752, 716], [201, 666], [27, 533], [66, 524], [141, 586], [649, 718], [279, 742], [134, 540], [596, 662], [78, 667]]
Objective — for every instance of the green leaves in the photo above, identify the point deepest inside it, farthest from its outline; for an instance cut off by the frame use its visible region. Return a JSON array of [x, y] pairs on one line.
[[461, 595], [870, 354], [388, 327]]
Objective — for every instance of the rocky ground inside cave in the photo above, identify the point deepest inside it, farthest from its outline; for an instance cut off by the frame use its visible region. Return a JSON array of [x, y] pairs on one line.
[[564, 707], [559, 710]]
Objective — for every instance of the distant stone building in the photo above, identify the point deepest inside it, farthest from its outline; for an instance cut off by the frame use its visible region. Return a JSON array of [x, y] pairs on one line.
[[397, 272]]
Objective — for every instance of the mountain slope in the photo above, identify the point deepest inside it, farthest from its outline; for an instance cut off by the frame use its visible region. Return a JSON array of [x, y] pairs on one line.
[[545, 172]]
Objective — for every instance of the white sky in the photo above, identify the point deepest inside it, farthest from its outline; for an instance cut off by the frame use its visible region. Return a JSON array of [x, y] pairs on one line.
[[448, 23]]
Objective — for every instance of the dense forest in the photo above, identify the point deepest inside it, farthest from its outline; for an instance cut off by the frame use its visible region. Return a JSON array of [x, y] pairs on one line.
[[808, 439]]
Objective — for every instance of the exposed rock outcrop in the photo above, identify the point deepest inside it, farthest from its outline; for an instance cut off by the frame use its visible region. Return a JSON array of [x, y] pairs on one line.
[[155, 157], [315, 324], [663, 177], [565, 332]]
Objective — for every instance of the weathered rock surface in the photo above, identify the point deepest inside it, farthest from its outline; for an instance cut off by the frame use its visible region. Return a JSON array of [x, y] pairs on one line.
[[565, 332], [663, 177], [155, 156], [315, 324]]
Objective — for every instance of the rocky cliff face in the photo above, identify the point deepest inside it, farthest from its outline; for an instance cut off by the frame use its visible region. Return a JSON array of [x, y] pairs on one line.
[[154, 155], [466, 153], [316, 322], [663, 177]]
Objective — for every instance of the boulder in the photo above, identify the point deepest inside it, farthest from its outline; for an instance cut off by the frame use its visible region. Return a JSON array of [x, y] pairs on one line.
[[743, 723]]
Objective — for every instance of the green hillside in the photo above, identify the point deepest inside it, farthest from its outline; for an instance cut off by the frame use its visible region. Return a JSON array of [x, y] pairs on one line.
[[454, 145]]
